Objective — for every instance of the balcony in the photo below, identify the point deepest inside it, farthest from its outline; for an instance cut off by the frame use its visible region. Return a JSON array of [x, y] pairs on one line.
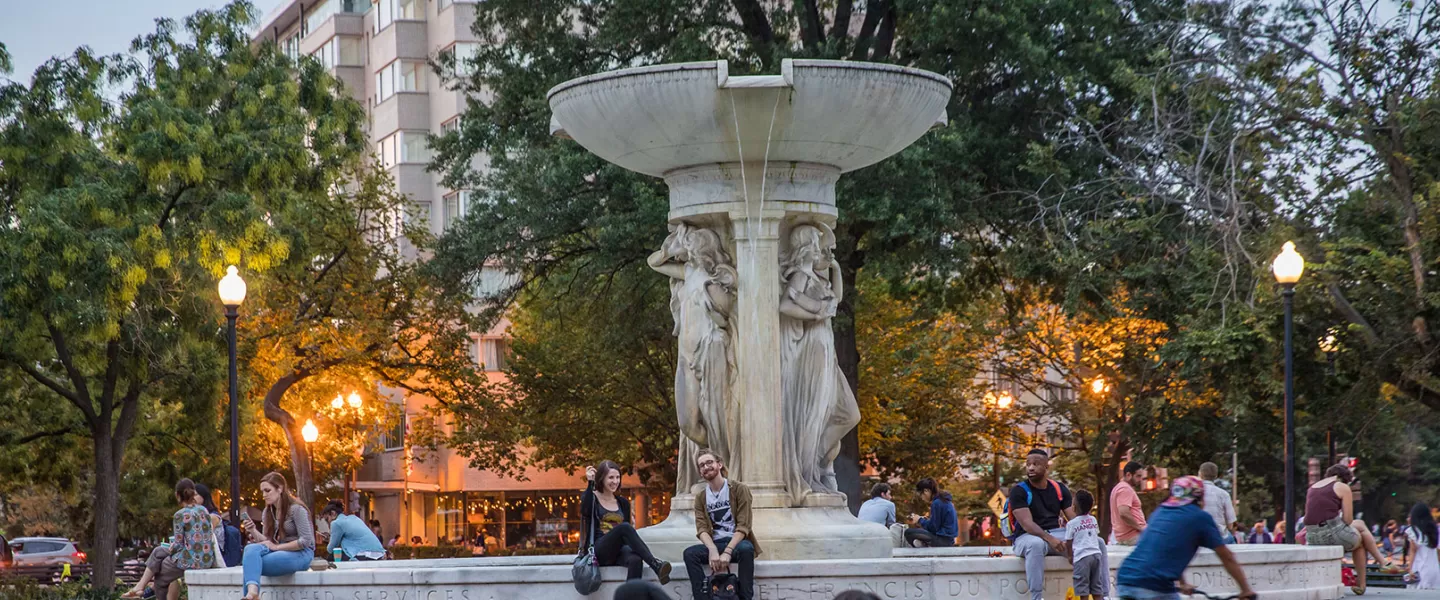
[[402, 39], [404, 110]]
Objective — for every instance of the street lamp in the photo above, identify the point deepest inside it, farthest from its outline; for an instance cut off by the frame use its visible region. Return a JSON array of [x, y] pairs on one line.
[[1098, 386], [1330, 346], [232, 293], [355, 400], [309, 432], [1000, 402], [1288, 267], [338, 403]]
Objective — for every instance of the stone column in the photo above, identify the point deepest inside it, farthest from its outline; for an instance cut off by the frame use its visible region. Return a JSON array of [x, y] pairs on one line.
[[757, 318]]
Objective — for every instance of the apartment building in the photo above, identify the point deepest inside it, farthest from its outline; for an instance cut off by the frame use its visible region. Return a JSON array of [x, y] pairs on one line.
[[380, 49]]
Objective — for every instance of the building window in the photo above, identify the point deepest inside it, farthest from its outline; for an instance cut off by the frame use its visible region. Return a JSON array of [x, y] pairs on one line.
[[316, 16], [394, 438], [451, 126], [291, 46], [340, 51], [403, 147], [465, 54], [456, 205], [389, 11], [398, 76], [493, 354]]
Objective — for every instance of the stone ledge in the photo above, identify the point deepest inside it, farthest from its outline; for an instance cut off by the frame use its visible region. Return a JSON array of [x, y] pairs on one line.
[[1278, 572]]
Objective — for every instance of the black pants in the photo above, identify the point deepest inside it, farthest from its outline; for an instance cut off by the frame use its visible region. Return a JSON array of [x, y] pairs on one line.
[[697, 557], [622, 546], [927, 539]]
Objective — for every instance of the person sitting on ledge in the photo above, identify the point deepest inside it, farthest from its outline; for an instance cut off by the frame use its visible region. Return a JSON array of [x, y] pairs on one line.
[[605, 518], [722, 520], [940, 528], [1037, 503], [350, 534]]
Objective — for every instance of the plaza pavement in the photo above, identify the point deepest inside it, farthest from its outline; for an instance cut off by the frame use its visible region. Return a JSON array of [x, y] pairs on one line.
[[1395, 593]]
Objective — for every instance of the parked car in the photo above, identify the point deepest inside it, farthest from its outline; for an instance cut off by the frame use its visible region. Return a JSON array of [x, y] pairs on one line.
[[46, 551]]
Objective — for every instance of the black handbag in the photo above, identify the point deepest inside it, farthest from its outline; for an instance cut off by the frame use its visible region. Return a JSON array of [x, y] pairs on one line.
[[586, 571], [724, 586]]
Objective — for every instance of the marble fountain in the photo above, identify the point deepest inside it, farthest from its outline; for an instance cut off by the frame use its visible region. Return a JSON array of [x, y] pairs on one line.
[[751, 163]]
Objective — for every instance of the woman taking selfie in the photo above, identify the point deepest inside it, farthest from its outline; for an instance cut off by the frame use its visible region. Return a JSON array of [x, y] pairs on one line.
[[605, 518], [287, 544]]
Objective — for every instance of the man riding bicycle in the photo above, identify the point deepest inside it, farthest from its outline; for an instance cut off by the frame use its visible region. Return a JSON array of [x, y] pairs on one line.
[[1173, 533]]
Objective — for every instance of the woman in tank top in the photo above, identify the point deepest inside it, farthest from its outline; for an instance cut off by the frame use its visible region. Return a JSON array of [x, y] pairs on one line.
[[605, 518], [1330, 521]]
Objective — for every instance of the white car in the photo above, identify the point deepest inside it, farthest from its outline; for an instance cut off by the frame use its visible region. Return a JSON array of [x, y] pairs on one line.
[[46, 551]]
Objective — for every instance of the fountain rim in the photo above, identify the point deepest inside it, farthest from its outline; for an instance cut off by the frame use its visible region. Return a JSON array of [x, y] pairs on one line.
[[723, 79]]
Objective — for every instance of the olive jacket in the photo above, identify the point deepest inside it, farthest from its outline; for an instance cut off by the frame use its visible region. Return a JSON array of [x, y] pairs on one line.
[[740, 501]]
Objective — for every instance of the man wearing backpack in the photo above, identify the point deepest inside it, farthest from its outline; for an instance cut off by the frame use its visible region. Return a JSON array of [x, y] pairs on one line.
[[1034, 507]]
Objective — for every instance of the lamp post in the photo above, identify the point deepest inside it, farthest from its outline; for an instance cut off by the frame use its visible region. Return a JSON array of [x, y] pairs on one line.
[[1288, 267], [1001, 402], [232, 293], [1330, 345]]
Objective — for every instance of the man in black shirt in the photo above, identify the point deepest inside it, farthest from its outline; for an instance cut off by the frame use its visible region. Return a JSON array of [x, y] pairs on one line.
[[1037, 504]]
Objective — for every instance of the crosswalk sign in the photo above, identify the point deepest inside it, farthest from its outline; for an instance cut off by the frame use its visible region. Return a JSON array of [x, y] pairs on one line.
[[997, 503]]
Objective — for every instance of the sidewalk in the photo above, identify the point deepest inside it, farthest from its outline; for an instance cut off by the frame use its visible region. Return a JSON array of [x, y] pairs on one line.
[[1375, 592]]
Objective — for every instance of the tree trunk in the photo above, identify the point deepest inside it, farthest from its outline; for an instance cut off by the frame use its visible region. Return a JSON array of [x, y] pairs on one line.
[[1106, 480], [304, 483], [107, 509], [847, 464]]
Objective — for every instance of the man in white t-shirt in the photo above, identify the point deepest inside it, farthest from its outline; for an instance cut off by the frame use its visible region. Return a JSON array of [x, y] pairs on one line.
[[1218, 503], [1087, 552], [722, 522]]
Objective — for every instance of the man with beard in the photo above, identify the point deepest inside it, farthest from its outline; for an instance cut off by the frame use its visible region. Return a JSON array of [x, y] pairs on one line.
[[1036, 505], [722, 522]]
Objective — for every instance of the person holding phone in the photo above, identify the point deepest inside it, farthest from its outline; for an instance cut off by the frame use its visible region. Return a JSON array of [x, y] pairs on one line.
[[287, 543]]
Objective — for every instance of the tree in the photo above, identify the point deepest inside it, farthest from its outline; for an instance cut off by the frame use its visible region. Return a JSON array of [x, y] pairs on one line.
[[929, 219], [349, 308], [123, 213]]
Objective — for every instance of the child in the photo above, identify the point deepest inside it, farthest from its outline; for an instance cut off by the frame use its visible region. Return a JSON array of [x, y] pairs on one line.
[[1082, 545]]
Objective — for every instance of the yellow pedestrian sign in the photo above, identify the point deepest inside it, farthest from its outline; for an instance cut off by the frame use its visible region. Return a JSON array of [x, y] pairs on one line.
[[997, 504]]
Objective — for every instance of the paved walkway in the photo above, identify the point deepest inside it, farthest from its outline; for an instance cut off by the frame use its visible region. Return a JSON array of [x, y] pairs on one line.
[[1395, 593]]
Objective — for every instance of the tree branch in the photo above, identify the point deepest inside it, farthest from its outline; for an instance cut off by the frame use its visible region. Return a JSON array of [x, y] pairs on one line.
[[841, 28], [757, 26], [1342, 304]]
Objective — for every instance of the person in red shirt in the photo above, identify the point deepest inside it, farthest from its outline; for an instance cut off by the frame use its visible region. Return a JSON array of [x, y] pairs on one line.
[[1127, 518]]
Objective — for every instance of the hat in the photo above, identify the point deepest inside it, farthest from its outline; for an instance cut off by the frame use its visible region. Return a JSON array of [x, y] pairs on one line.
[[1186, 490]]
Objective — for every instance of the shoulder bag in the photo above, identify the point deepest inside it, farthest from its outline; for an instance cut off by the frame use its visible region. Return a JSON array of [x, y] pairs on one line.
[[586, 571]]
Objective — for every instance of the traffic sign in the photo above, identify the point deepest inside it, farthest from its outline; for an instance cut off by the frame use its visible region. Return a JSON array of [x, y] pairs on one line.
[[997, 503]]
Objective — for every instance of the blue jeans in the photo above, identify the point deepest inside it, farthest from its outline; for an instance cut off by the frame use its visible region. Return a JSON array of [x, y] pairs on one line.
[[1134, 593], [260, 560]]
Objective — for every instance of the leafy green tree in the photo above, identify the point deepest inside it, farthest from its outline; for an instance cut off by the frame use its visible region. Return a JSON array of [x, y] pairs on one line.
[[930, 220], [124, 210]]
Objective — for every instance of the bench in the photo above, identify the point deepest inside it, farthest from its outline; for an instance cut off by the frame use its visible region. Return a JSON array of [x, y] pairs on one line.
[[52, 574]]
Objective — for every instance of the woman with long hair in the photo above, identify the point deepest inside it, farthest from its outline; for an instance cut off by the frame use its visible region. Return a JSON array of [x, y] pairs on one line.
[[191, 547], [605, 518], [287, 543], [1423, 536], [1330, 521]]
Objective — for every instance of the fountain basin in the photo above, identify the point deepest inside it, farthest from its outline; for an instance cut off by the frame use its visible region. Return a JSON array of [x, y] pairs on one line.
[[842, 114], [1277, 572]]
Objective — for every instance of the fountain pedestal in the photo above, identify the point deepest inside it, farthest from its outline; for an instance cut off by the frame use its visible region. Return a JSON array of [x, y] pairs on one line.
[[751, 159]]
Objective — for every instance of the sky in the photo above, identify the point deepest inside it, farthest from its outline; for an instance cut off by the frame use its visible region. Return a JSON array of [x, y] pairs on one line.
[[35, 30]]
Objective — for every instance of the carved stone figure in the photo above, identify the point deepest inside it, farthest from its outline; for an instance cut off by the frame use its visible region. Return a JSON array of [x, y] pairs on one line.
[[702, 296], [818, 405]]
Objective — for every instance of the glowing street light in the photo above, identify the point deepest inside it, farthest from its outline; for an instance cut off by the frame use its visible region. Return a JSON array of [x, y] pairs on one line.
[[338, 402], [1004, 400], [232, 293], [1098, 386], [1288, 267], [310, 432], [355, 400]]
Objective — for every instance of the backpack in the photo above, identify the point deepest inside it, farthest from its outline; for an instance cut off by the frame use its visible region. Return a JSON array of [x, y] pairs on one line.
[[724, 586], [1010, 526], [234, 548]]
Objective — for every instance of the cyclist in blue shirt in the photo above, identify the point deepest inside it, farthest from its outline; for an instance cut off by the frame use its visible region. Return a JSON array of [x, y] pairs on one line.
[[1173, 534]]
